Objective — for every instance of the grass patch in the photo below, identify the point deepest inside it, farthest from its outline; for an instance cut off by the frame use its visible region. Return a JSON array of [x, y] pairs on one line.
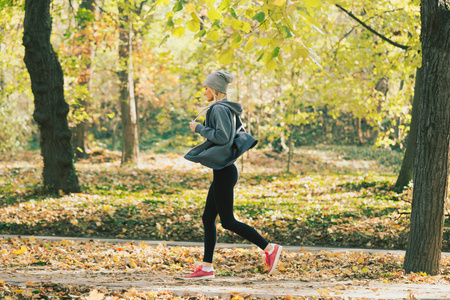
[[334, 196]]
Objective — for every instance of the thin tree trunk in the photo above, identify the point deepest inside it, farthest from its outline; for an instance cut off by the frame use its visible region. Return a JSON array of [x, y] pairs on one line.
[[359, 131], [84, 50], [291, 133], [47, 84], [406, 171], [433, 140], [130, 137]]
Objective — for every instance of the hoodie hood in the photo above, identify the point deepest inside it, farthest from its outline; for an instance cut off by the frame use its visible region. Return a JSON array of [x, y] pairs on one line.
[[235, 107]]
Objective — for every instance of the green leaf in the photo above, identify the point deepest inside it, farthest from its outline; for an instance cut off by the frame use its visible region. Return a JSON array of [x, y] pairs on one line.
[[233, 13], [286, 32], [260, 17], [200, 34], [275, 52], [193, 25], [178, 6], [260, 57], [237, 39]]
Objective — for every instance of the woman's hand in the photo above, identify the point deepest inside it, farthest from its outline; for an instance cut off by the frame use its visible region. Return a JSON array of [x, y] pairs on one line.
[[192, 125]]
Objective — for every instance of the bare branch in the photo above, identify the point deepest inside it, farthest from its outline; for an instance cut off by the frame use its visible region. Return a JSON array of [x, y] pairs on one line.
[[372, 30]]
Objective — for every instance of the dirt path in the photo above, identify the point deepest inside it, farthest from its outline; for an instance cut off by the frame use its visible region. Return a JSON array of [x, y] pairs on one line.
[[226, 286], [256, 286]]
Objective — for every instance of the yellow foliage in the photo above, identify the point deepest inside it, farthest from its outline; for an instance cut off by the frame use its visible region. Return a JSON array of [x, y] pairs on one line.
[[193, 25], [178, 31], [20, 251], [213, 14]]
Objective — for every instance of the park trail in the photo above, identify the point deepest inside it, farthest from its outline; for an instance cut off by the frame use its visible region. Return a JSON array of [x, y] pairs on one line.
[[227, 287]]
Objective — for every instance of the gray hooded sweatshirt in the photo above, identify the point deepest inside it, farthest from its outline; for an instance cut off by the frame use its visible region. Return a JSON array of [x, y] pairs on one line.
[[224, 144]]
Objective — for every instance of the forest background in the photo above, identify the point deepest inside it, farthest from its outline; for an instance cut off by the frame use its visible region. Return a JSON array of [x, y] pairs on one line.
[[133, 79], [337, 83]]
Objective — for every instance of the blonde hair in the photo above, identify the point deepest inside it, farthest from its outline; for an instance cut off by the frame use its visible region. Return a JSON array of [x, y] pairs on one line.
[[218, 96]]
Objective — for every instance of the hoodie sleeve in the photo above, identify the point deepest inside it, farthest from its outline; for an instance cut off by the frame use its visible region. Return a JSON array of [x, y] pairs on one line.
[[220, 132]]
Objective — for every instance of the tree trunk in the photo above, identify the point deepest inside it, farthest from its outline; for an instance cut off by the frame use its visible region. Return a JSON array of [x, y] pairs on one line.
[[359, 131], [406, 171], [84, 50], [47, 84], [431, 165], [130, 137]]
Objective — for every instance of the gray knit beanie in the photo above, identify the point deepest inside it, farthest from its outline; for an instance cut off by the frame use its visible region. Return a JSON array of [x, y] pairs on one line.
[[219, 81]]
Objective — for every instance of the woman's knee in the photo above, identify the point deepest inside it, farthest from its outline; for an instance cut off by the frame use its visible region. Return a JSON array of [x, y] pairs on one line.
[[230, 224], [208, 220]]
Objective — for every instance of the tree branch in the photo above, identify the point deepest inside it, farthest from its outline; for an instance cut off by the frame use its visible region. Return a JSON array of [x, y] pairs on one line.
[[372, 30]]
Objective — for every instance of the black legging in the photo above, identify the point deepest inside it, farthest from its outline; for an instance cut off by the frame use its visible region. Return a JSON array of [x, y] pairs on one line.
[[220, 202]]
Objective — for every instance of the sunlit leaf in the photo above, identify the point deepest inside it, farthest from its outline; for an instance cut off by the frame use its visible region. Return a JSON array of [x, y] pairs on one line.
[[193, 25], [279, 2], [250, 43], [178, 31], [246, 27], [224, 5], [263, 41], [213, 35], [271, 65], [195, 17], [311, 3], [236, 24], [226, 57], [190, 7], [213, 14], [210, 3]]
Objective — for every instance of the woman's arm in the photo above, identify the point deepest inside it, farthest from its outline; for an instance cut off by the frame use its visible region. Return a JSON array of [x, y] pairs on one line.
[[220, 133]]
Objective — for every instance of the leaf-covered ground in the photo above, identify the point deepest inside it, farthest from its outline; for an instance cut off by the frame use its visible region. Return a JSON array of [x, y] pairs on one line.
[[335, 196], [99, 267]]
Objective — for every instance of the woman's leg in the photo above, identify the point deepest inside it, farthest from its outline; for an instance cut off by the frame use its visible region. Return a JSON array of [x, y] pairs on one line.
[[224, 182], [209, 225]]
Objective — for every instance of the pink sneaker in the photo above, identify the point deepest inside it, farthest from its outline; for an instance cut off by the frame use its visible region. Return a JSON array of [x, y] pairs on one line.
[[272, 259], [199, 273]]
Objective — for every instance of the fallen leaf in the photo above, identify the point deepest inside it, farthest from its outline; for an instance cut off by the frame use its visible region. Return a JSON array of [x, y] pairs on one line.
[[21, 251], [95, 295]]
